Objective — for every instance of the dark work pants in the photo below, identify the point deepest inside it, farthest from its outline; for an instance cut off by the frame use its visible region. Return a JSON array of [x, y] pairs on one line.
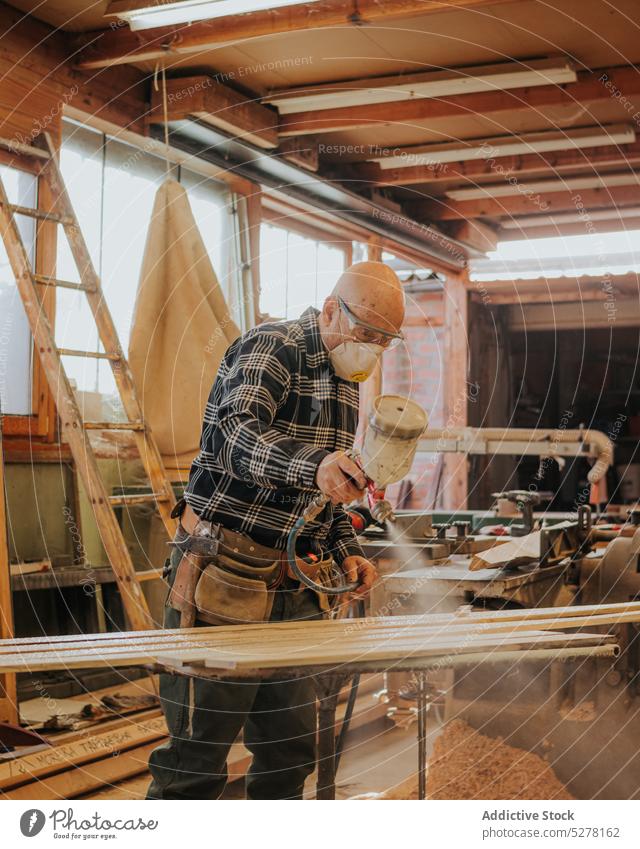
[[204, 718]]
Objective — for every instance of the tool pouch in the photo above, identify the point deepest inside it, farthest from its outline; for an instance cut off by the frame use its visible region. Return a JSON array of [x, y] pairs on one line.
[[223, 578], [225, 597], [322, 572]]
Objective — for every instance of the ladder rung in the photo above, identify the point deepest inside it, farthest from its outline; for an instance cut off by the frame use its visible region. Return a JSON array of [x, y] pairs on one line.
[[40, 213], [114, 425], [126, 500], [27, 149], [43, 280], [96, 355]]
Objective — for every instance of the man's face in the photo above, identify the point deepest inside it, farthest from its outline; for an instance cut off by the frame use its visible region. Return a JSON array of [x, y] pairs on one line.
[[356, 324]]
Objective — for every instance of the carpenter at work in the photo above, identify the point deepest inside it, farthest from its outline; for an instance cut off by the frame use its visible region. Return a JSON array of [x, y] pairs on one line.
[[280, 418]]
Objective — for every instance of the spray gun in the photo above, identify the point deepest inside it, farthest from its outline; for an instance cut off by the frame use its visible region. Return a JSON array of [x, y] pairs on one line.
[[395, 426]]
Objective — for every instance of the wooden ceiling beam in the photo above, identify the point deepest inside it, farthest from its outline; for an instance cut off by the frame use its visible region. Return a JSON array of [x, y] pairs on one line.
[[444, 209], [550, 231], [590, 87], [205, 98], [561, 163], [118, 45], [554, 290]]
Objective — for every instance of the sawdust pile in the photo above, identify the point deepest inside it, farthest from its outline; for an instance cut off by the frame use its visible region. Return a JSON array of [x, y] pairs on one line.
[[468, 765], [582, 712]]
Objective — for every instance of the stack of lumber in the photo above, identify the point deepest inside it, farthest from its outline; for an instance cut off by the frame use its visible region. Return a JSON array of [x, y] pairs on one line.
[[109, 760], [369, 644], [82, 761]]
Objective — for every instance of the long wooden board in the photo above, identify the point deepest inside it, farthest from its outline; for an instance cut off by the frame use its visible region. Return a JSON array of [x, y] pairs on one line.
[[254, 631], [8, 693], [93, 743], [303, 644]]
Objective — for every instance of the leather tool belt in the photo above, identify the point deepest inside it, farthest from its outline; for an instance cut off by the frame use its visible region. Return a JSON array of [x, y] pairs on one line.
[[225, 577]]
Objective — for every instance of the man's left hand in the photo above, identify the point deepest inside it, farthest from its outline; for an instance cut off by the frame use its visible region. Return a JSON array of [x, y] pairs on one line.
[[359, 569]]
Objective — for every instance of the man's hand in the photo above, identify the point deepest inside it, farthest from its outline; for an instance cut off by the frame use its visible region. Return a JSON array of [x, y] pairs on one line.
[[359, 569], [340, 478]]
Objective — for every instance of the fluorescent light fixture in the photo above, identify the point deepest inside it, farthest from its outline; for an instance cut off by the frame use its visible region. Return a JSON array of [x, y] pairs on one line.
[[497, 146], [147, 14], [496, 77], [506, 189]]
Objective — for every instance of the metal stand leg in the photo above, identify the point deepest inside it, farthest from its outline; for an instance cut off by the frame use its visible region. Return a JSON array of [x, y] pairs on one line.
[[327, 690], [422, 734]]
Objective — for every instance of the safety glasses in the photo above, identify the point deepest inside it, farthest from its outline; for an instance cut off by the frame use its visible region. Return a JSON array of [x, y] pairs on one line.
[[361, 331]]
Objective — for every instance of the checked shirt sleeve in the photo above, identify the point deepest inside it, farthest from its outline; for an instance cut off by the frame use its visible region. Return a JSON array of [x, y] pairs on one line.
[[255, 388], [341, 539]]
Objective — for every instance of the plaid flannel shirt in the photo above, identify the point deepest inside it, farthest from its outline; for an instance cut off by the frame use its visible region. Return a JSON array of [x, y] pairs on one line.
[[275, 411]]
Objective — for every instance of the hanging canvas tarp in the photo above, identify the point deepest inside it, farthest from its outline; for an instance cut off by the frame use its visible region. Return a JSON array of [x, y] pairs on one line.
[[181, 327]]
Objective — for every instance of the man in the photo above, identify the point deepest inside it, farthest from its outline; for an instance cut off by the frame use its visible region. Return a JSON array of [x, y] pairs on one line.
[[282, 412]]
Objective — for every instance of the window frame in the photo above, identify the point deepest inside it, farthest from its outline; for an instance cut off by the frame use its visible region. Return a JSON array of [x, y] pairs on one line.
[[307, 231], [40, 424]]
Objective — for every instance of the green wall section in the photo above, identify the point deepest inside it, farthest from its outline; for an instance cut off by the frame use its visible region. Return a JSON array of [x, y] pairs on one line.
[[36, 499]]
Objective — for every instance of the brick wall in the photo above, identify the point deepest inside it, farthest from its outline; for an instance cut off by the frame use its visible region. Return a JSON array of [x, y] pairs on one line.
[[416, 370]]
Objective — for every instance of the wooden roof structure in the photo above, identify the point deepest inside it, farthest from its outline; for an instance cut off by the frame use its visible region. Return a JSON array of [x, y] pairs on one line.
[[482, 119]]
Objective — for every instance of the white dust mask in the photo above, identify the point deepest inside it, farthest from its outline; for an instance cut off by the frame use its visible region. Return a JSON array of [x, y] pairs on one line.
[[355, 361]]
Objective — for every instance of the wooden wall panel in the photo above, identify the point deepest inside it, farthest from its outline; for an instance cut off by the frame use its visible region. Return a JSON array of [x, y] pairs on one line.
[[38, 80]]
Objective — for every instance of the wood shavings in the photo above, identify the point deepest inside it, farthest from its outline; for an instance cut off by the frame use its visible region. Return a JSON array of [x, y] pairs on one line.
[[581, 712], [466, 764]]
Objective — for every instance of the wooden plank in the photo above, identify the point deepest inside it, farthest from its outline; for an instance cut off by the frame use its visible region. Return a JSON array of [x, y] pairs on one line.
[[588, 89], [389, 88], [474, 172], [217, 635], [92, 776], [300, 646], [394, 650], [445, 209], [118, 45], [92, 743], [8, 692], [205, 98], [551, 226], [455, 482], [39, 81], [575, 286]]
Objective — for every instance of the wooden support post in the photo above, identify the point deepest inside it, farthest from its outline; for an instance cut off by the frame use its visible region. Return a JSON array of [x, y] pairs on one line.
[[8, 693], [454, 487], [372, 387], [254, 222]]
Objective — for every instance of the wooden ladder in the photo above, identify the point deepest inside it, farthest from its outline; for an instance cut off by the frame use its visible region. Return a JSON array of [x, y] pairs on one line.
[[73, 429]]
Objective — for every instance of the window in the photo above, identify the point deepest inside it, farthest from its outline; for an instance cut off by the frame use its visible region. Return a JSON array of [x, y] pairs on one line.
[[295, 271], [112, 187], [15, 335]]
